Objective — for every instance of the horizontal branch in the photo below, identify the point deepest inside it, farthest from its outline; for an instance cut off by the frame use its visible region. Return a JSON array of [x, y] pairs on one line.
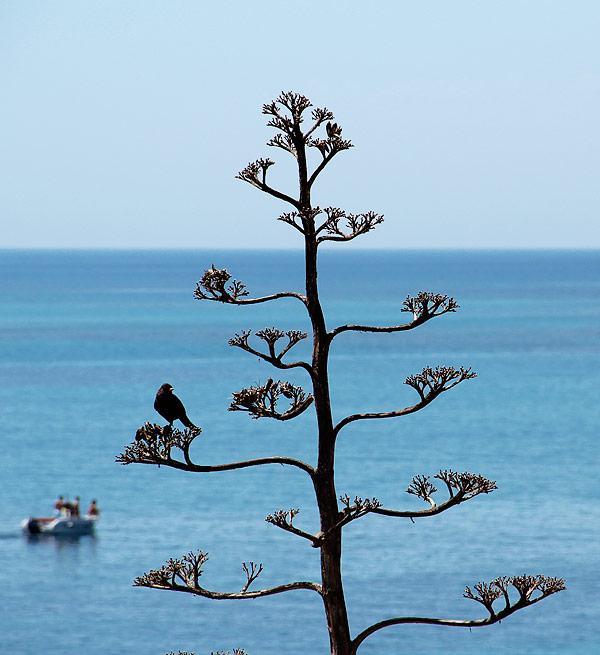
[[424, 307], [376, 415], [213, 286], [215, 595], [273, 296], [461, 487], [183, 575], [486, 594], [154, 444], [429, 384]]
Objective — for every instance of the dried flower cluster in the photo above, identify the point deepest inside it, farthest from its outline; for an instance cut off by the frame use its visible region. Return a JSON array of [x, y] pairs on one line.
[[282, 518], [305, 216], [487, 592], [466, 484], [296, 104], [421, 487], [430, 382], [252, 572], [285, 520], [356, 224], [359, 506], [256, 172], [461, 486], [212, 286], [153, 444], [186, 570], [260, 401], [185, 573], [270, 336], [426, 305]]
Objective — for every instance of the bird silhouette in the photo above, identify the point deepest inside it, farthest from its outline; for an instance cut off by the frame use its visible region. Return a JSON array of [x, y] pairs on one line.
[[170, 407], [333, 130]]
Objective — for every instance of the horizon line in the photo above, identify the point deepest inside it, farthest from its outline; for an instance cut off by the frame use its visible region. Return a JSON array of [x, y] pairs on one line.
[[293, 249]]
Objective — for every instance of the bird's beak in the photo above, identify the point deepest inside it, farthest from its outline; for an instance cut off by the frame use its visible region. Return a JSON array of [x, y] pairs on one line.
[[171, 389]]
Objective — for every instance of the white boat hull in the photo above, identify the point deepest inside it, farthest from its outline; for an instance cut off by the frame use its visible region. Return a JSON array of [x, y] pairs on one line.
[[61, 525]]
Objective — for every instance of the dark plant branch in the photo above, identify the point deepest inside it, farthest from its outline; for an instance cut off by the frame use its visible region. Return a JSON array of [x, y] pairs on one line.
[[286, 116], [352, 510], [306, 218], [295, 103], [255, 174], [284, 520], [424, 307], [260, 401], [355, 224], [284, 142], [486, 594], [252, 572], [271, 336], [328, 148], [319, 116], [377, 415], [290, 219], [461, 487], [429, 384], [154, 444], [212, 286], [184, 575], [421, 487]]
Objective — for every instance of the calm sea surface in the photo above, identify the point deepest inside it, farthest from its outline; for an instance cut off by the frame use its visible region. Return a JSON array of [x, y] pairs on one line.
[[86, 339]]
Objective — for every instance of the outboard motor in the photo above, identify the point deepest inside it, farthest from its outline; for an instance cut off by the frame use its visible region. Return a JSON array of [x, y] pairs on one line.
[[33, 526]]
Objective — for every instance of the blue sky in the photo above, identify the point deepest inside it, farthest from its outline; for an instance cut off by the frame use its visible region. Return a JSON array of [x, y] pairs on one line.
[[124, 122]]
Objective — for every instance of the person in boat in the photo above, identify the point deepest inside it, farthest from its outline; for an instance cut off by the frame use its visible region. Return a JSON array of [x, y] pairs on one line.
[[58, 506], [93, 509], [74, 512]]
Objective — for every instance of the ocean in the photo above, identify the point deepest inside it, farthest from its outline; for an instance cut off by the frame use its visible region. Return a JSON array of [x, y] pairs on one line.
[[87, 337]]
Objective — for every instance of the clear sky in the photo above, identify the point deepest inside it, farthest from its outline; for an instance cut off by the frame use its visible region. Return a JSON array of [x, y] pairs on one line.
[[123, 122]]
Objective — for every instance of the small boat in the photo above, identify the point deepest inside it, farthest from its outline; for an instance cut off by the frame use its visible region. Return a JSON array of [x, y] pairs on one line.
[[59, 525]]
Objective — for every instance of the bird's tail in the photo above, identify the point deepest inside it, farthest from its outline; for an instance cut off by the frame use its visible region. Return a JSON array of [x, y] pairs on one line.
[[188, 424]]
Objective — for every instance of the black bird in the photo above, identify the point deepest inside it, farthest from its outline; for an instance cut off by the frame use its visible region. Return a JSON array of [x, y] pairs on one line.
[[333, 130], [170, 407]]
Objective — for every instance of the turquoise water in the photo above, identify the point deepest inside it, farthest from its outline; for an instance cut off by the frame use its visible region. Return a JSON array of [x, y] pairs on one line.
[[86, 339]]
